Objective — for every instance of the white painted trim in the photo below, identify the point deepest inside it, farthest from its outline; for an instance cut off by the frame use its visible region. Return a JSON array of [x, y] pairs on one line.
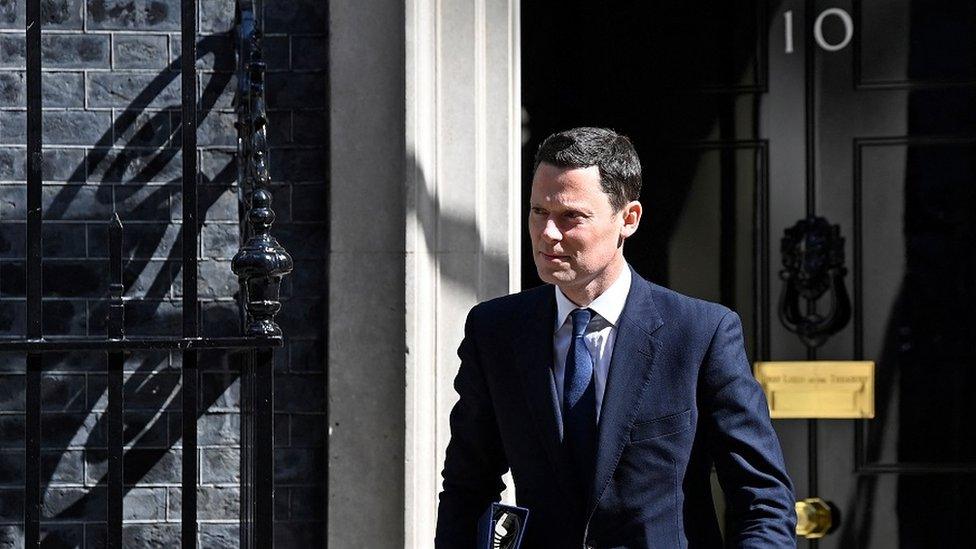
[[420, 478], [516, 214], [461, 219], [480, 134]]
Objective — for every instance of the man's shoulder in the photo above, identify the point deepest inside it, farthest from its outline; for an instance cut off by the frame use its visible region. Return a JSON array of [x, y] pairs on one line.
[[689, 323], [679, 305], [514, 305], [685, 314], [506, 316]]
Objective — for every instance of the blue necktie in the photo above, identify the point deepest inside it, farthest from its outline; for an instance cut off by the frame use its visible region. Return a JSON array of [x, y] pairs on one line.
[[579, 401]]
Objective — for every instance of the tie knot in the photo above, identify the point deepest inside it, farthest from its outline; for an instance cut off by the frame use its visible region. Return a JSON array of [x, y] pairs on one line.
[[581, 319]]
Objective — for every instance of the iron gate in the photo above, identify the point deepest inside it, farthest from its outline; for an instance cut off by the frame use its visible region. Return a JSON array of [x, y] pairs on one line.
[[259, 264]]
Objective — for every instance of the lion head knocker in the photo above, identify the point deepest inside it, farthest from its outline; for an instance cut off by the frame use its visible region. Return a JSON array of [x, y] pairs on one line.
[[813, 264]]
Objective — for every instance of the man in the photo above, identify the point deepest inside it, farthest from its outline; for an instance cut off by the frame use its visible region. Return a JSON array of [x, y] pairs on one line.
[[610, 398]]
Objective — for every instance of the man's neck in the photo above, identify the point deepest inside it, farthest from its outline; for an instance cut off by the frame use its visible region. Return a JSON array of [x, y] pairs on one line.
[[583, 296]]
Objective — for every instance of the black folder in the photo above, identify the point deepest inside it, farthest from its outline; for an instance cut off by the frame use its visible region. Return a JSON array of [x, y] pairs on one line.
[[502, 527]]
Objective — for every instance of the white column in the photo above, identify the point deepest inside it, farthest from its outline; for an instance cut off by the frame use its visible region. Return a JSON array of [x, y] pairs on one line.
[[462, 212]]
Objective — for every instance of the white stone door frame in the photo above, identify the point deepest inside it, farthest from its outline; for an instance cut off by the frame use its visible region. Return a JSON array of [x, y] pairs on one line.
[[463, 148]]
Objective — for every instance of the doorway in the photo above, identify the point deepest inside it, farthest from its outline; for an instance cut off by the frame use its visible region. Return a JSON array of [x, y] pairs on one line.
[[752, 115]]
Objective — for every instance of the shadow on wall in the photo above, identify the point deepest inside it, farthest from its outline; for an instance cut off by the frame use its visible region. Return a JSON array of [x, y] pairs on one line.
[[443, 230], [130, 151]]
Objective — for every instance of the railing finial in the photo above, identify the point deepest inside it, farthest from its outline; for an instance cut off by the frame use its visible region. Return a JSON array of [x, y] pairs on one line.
[[262, 261]]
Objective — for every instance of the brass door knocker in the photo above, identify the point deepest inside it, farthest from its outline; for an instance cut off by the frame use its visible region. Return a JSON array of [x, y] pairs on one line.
[[813, 264]]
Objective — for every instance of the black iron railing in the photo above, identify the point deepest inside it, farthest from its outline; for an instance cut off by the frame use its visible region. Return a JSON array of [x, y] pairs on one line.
[[259, 264]]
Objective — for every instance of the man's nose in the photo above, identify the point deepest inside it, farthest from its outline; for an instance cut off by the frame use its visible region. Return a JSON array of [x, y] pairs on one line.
[[551, 232]]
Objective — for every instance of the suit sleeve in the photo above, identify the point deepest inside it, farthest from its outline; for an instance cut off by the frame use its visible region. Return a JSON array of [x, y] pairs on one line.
[[744, 447], [475, 460]]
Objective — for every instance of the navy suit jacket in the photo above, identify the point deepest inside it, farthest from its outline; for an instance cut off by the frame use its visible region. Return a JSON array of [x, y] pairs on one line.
[[680, 397]]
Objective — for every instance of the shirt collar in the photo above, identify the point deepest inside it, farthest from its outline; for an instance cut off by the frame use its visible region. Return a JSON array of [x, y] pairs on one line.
[[608, 305]]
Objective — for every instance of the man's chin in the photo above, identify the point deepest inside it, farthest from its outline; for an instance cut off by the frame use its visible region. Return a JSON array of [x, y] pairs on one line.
[[550, 276]]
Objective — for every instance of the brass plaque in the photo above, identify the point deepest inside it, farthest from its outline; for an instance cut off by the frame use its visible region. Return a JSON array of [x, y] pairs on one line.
[[818, 389]]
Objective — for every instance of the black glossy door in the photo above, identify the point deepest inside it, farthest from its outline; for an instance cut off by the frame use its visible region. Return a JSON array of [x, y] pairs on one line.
[[749, 116], [896, 139]]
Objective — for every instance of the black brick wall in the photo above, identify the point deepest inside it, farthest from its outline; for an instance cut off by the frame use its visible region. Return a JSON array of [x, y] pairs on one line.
[[111, 131]]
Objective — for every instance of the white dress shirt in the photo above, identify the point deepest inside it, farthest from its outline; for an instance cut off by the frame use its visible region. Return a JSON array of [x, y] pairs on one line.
[[599, 336]]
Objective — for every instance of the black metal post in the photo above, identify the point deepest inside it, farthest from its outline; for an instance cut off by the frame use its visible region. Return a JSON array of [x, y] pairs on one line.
[[190, 231], [32, 420], [259, 264], [189, 480], [247, 451], [116, 407], [263, 451]]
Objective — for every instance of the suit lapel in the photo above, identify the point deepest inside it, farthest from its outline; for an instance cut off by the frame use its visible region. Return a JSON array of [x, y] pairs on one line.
[[533, 352], [630, 375]]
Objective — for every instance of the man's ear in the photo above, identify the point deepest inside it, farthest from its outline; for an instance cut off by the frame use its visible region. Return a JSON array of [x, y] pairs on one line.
[[631, 212]]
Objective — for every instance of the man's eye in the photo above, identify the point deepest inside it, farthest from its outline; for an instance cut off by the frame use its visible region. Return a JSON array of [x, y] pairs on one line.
[[574, 215], [538, 211]]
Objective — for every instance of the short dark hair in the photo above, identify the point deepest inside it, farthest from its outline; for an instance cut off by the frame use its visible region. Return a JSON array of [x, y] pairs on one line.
[[611, 152]]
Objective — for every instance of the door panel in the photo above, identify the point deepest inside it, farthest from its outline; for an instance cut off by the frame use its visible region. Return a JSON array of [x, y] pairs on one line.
[[709, 255]]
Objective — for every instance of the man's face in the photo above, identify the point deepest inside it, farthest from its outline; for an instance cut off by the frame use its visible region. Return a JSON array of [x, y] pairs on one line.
[[577, 237]]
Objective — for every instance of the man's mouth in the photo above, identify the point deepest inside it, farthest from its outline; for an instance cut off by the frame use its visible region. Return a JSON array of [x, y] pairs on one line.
[[552, 257]]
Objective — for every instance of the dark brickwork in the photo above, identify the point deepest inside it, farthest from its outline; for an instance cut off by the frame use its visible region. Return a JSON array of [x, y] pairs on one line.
[[111, 91]]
